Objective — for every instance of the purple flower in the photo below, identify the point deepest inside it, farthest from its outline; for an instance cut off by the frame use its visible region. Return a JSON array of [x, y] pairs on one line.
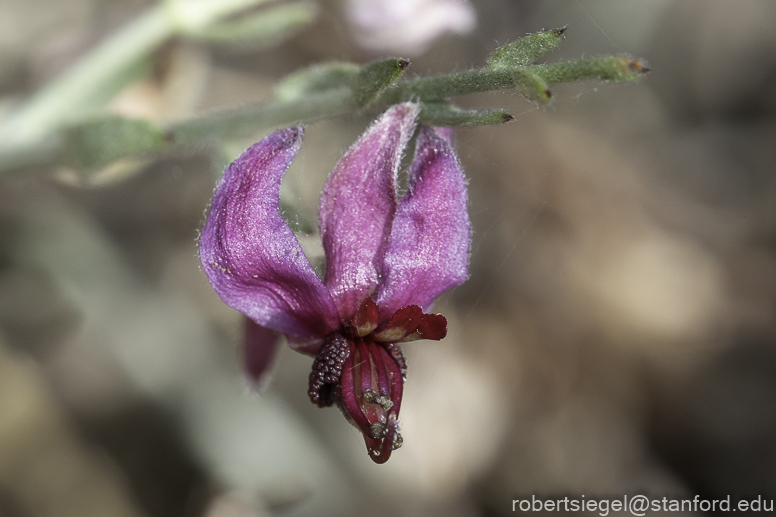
[[386, 263]]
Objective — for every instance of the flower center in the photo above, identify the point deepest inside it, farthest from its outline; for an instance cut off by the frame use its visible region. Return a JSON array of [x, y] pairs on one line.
[[365, 379], [361, 368]]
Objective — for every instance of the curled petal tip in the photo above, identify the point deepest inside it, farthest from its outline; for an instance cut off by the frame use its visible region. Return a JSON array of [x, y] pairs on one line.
[[249, 254], [291, 135], [410, 109], [445, 132]]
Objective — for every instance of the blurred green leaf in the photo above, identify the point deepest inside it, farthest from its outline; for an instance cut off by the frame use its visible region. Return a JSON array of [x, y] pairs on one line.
[[96, 143], [264, 28], [315, 79], [194, 15]]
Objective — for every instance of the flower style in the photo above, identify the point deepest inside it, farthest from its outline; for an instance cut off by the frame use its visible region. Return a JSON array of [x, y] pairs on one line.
[[387, 260]]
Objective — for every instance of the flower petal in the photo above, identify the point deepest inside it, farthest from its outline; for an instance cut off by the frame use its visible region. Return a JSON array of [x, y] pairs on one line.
[[261, 345], [357, 207], [410, 324], [404, 322], [371, 388], [250, 255], [309, 346], [428, 249], [433, 326], [365, 319]]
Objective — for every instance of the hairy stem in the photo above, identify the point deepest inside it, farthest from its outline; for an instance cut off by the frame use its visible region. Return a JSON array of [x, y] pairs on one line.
[[247, 121]]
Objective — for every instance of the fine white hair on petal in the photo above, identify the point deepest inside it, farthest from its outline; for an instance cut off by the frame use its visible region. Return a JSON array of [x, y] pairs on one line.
[[407, 27]]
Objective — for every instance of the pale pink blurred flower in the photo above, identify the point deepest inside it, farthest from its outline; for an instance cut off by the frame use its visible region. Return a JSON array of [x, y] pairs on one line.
[[407, 27]]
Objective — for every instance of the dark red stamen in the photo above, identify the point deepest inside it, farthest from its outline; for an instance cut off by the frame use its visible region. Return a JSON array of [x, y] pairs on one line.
[[327, 370]]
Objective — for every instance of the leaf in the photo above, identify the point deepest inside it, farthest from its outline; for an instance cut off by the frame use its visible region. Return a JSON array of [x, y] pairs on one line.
[[316, 79], [527, 50], [262, 29], [448, 114], [93, 144], [375, 77], [616, 69], [532, 86]]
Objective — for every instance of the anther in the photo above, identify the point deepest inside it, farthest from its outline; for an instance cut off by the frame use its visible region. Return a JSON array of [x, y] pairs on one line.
[[378, 430], [372, 397], [397, 441]]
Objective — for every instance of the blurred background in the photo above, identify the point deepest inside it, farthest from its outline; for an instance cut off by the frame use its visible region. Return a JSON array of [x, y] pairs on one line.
[[617, 334]]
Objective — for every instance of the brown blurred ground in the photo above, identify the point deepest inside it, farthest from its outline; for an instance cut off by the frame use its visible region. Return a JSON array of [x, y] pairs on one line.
[[617, 335]]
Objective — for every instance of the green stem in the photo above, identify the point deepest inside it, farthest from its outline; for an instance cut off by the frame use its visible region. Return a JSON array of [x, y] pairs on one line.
[[56, 102], [105, 67], [437, 87], [248, 120], [609, 68]]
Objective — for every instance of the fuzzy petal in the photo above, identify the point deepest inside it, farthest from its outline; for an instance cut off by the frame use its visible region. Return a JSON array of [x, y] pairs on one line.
[[428, 249], [250, 255], [405, 321], [366, 318], [357, 208], [410, 324], [433, 326], [261, 345]]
